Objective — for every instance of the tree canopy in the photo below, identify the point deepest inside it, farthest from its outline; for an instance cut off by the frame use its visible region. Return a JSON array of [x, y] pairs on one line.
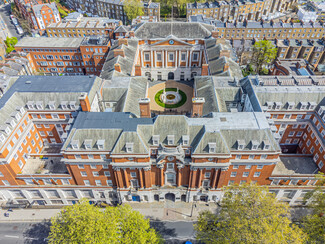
[[264, 52], [133, 8], [249, 214], [314, 224], [10, 43], [85, 223]]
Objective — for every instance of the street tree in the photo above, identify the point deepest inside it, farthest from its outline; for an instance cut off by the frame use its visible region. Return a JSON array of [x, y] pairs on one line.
[[314, 224], [248, 214], [10, 43], [264, 53], [133, 8], [86, 223]]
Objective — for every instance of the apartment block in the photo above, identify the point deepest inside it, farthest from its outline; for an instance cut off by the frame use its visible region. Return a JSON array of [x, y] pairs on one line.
[[112, 8], [39, 14], [75, 25], [234, 10], [68, 56], [269, 30]]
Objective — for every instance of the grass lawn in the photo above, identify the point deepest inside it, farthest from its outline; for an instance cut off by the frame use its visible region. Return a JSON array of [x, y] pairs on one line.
[[164, 105]]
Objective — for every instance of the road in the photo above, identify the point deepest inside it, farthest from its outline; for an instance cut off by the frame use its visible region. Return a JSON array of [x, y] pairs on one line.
[[5, 15], [35, 233]]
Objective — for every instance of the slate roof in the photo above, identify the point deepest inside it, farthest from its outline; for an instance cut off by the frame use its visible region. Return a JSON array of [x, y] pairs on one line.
[[50, 42], [182, 30], [46, 89], [224, 129]]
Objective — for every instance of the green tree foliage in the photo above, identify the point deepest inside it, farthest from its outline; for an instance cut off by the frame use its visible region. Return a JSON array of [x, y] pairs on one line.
[[314, 224], [249, 214], [133, 8], [264, 52], [10, 43], [85, 223]]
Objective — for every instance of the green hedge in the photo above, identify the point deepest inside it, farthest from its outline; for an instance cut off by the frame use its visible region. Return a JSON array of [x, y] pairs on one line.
[[164, 105]]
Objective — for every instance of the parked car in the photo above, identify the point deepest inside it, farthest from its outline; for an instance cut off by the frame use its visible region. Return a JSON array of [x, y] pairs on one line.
[[11, 16], [15, 21], [20, 30]]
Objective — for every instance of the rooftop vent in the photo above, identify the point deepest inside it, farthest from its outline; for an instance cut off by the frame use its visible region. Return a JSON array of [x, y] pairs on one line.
[[28, 82]]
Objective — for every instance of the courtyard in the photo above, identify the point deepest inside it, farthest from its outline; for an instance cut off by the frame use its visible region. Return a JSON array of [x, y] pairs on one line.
[[171, 96]]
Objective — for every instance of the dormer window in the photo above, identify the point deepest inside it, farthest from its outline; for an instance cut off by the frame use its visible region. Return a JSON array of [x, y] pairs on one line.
[[278, 105], [312, 105], [30, 104], [16, 115], [75, 144], [64, 105], [170, 139], [269, 105], [303, 106], [100, 144], [254, 145], [129, 147], [39, 105], [185, 140], [266, 145], [21, 110], [52, 105], [241, 144], [155, 140], [212, 147], [88, 144], [2, 138], [72, 105], [12, 123], [291, 105], [321, 110]]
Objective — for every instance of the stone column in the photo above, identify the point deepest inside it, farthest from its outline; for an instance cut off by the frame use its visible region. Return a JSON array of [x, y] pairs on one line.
[[151, 58], [126, 178], [141, 58], [147, 177], [140, 177], [161, 176], [193, 178], [187, 57], [214, 179], [179, 176], [200, 178], [190, 59], [118, 178]]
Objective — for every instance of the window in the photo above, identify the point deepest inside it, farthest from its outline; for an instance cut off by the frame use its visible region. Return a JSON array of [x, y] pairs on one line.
[[235, 167], [95, 173], [83, 173], [159, 57], [109, 182], [257, 174], [171, 57], [81, 166], [107, 173], [65, 182], [93, 166], [133, 174], [233, 174], [231, 182], [170, 166], [87, 182], [260, 166], [238, 156], [321, 164], [146, 57], [207, 175], [195, 56], [248, 166], [98, 182], [245, 174], [6, 183]]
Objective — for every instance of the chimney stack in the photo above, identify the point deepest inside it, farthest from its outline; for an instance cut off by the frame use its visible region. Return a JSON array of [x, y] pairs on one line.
[[144, 104], [197, 106], [119, 52], [84, 102], [122, 41], [137, 71], [117, 67], [205, 70]]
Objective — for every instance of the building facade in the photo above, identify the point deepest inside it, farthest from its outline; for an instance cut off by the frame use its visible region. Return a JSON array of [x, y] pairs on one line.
[[239, 10], [68, 56], [112, 9]]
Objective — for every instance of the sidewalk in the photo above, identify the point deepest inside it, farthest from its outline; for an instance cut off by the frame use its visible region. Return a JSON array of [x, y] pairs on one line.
[[164, 211]]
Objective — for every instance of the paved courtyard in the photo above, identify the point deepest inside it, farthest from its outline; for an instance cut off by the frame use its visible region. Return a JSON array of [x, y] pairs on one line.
[[187, 107]]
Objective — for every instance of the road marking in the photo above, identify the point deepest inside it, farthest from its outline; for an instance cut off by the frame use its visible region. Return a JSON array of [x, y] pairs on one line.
[[12, 236]]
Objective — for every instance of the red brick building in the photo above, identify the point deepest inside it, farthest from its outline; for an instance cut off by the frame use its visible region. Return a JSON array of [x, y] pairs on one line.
[[69, 56]]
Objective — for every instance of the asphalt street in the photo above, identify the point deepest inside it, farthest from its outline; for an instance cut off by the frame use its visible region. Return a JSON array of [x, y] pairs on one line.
[[5, 15], [36, 233]]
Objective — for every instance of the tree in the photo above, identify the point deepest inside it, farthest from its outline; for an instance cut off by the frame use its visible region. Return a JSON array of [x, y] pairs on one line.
[[249, 214], [314, 224], [264, 52], [85, 223], [10, 43], [133, 8]]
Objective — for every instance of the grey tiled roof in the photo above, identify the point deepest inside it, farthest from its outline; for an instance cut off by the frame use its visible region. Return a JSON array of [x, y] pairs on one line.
[[224, 129], [182, 30]]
